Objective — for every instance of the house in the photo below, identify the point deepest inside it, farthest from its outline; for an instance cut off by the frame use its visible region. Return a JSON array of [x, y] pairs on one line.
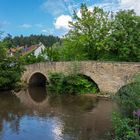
[[13, 51], [25, 50]]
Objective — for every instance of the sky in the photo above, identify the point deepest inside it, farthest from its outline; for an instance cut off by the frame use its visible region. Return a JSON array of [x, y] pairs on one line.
[[50, 16]]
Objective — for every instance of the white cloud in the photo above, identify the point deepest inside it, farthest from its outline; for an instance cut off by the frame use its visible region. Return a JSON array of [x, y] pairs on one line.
[[26, 26], [3, 23], [44, 31], [55, 8], [116, 5], [60, 7], [48, 31], [62, 22], [130, 4]]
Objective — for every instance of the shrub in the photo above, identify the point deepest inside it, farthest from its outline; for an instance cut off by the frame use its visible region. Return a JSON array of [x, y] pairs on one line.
[[55, 83], [123, 128], [126, 124], [70, 84], [10, 73], [128, 97]]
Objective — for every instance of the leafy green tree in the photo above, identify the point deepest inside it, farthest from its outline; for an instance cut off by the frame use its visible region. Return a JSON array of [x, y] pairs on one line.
[[10, 69], [10, 73], [89, 32], [53, 52], [125, 36], [30, 40], [31, 59], [8, 41], [2, 50], [100, 35]]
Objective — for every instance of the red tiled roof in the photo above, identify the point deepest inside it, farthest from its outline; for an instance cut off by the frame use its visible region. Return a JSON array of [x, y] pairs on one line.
[[24, 50], [14, 50], [29, 49]]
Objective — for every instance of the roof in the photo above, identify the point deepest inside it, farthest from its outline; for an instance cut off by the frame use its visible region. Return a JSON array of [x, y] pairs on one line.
[[28, 50], [14, 50], [24, 50]]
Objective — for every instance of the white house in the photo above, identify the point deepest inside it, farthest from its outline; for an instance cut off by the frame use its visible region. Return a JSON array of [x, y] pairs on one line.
[[39, 49]]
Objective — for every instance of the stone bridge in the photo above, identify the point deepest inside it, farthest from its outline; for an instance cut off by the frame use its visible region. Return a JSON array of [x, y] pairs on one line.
[[109, 76]]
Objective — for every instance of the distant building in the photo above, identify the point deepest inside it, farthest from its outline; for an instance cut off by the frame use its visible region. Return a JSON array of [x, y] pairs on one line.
[[25, 50], [13, 51]]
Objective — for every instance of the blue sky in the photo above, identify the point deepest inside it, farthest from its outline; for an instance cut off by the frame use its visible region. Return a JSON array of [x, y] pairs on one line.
[[49, 16]]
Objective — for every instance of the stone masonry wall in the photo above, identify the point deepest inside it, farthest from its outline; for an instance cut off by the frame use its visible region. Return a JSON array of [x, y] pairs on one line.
[[109, 76]]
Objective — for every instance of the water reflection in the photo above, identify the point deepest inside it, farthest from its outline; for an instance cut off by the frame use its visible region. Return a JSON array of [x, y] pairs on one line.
[[31, 114], [38, 94], [34, 98]]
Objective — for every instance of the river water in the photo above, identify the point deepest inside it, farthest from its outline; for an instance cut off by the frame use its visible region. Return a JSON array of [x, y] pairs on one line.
[[32, 115]]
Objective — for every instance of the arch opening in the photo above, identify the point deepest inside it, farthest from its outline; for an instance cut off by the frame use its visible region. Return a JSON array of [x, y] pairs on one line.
[[38, 80], [91, 81]]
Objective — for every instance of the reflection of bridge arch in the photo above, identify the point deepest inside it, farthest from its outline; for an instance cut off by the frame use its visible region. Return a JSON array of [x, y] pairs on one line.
[[34, 98]]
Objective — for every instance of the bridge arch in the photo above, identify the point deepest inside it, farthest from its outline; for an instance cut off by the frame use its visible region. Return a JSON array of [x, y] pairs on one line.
[[90, 79], [37, 79]]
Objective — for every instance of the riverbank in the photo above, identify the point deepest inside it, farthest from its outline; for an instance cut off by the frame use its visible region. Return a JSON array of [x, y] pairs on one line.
[[98, 95]]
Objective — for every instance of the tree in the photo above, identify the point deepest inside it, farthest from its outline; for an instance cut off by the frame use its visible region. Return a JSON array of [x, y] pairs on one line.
[[10, 73], [30, 40], [8, 41], [2, 50], [89, 32], [100, 35], [125, 36], [10, 69]]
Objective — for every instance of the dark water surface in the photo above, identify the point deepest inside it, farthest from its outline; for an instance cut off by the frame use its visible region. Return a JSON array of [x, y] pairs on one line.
[[32, 115]]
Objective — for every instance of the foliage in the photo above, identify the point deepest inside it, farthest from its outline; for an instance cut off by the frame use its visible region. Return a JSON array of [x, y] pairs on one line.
[[70, 84], [10, 73], [53, 52], [55, 82], [124, 39], [31, 59], [128, 97], [89, 32], [101, 35], [30, 40], [10, 69], [2, 50], [123, 127], [125, 124]]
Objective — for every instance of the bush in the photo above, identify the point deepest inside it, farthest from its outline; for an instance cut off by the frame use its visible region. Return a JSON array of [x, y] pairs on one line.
[[128, 97], [55, 83], [10, 73], [31, 59], [123, 128], [70, 84], [126, 125]]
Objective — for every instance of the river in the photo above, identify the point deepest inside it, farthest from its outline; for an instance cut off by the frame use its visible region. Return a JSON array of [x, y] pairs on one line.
[[32, 115]]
